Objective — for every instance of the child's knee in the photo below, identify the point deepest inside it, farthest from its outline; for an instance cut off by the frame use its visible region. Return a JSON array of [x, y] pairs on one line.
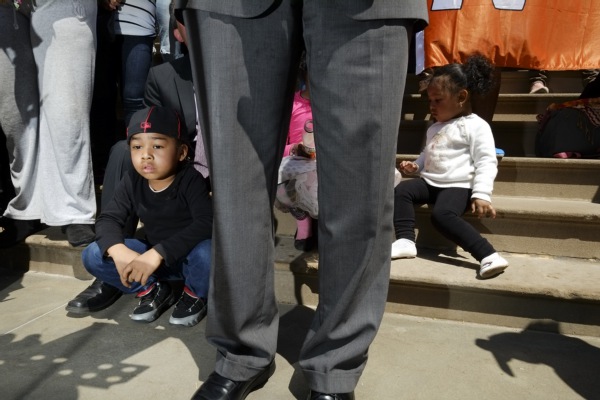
[[92, 257]]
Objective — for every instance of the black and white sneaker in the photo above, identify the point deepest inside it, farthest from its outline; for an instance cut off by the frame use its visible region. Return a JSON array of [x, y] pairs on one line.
[[189, 310], [153, 302]]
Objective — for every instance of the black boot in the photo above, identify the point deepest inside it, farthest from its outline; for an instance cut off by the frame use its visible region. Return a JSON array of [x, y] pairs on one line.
[[79, 234], [96, 297]]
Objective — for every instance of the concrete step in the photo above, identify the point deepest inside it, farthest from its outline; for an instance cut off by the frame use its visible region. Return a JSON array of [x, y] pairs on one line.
[[436, 284], [572, 179], [517, 81], [516, 138], [416, 106], [544, 206], [47, 251], [535, 226], [515, 119], [550, 178], [444, 284]]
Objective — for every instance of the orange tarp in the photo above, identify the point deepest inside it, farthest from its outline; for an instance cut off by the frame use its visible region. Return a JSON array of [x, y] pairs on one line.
[[528, 34]]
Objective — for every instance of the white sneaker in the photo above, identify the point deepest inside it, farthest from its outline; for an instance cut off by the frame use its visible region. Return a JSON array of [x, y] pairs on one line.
[[538, 87], [492, 265], [404, 248]]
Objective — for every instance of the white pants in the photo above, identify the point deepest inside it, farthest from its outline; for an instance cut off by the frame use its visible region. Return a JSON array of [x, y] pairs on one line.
[[51, 163]]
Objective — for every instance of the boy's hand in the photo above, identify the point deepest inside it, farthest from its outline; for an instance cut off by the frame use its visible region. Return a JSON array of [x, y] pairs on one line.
[[140, 269], [482, 208], [408, 167], [122, 256]]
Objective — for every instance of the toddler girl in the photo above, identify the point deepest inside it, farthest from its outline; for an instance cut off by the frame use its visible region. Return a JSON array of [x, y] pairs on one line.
[[457, 168]]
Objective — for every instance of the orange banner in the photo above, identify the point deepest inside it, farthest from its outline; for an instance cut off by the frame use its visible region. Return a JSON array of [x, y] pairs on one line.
[[527, 34]]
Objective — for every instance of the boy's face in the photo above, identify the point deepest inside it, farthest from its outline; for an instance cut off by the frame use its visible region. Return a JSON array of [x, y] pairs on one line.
[[155, 157]]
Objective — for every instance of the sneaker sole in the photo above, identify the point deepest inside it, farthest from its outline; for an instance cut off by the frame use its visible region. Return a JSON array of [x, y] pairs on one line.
[[190, 320], [491, 272], [403, 256], [152, 316]]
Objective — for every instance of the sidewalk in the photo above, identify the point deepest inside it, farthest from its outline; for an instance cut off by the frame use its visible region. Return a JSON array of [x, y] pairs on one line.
[[45, 354]]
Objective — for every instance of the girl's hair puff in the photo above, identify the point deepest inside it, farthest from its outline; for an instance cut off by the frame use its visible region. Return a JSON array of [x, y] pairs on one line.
[[476, 75]]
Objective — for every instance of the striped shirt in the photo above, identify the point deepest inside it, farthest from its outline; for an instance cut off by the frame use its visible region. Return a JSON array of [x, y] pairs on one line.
[[136, 18]]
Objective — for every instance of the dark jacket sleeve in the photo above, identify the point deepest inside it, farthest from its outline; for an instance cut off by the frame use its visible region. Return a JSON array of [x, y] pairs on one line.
[[152, 94], [194, 192], [110, 223]]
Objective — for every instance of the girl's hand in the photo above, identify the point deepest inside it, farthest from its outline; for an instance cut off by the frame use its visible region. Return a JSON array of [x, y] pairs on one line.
[[408, 167], [482, 208]]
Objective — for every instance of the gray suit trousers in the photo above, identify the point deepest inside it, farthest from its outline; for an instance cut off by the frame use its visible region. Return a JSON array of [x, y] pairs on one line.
[[245, 72]]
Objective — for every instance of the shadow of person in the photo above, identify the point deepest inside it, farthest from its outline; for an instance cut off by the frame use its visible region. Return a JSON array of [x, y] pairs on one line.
[[574, 361], [11, 279], [109, 351], [56, 369], [294, 324]]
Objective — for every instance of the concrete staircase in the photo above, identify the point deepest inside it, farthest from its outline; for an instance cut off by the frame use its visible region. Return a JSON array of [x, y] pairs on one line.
[[545, 206], [548, 227]]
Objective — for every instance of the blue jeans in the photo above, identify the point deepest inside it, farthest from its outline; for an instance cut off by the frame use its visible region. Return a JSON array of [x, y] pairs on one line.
[[194, 269], [136, 60]]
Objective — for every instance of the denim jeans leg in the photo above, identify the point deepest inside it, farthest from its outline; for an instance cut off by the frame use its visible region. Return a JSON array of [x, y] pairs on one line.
[[136, 56], [196, 268], [104, 268]]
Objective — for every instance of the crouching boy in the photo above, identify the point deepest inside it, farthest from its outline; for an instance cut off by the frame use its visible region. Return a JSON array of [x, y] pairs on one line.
[[172, 201]]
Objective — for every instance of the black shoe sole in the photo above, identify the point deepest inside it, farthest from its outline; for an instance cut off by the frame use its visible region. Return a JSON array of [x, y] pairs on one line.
[[87, 310], [261, 379]]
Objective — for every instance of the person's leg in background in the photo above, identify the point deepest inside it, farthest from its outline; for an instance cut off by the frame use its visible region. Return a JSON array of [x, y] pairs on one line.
[[485, 105], [19, 115], [136, 58], [7, 190], [104, 128], [538, 82], [170, 48], [588, 76], [65, 58]]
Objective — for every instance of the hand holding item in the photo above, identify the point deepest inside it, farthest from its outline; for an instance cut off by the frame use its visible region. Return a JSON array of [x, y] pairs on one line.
[[308, 139]]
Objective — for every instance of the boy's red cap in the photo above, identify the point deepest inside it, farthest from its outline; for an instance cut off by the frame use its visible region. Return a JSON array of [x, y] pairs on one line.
[[155, 120]]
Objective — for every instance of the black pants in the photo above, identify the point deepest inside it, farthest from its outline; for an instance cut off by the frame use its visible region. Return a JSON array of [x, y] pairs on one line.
[[448, 205]]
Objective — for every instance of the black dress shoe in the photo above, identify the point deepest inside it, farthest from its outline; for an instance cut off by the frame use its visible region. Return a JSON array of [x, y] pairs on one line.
[[331, 396], [15, 230], [79, 234], [96, 297], [217, 387]]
